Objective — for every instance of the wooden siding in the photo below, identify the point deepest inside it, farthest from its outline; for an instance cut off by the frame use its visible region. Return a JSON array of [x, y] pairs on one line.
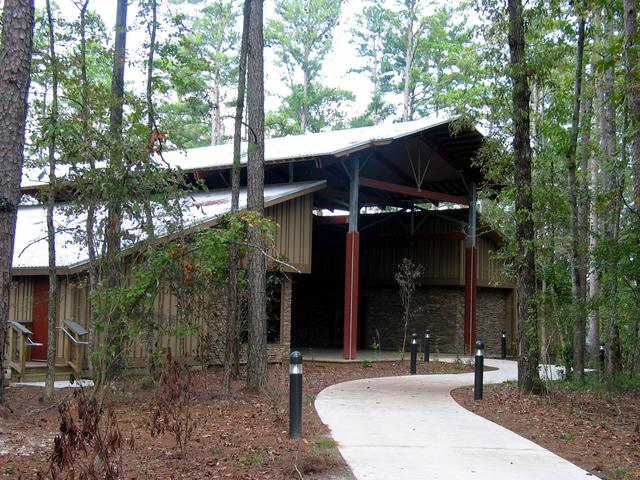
[[293, 233], [490, 269], [73, 304], [436, 243], [21, 300]]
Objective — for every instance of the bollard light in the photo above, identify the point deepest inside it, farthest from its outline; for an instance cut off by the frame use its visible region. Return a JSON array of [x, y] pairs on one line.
[[295, 395], [601, 355], [503, 344], [427, 345], [414, 352], [479, 369]]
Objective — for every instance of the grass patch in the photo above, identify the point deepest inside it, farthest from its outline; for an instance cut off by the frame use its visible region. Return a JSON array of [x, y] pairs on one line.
[[257, 459], [326, 442], [597, 382], [622, 472]]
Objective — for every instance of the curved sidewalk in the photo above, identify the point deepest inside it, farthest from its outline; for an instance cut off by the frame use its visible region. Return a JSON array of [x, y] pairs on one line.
[[410, 427]]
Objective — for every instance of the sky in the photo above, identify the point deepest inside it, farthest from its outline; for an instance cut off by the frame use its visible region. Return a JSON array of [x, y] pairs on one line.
[[335, 73]]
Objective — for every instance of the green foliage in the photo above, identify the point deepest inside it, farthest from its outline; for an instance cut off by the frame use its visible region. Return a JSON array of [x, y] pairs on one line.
[[191, 267], [197, 70], [301, 37], [325, 442]]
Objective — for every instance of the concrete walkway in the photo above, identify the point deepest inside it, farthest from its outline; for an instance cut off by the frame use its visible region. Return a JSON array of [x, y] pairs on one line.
[[410, 427]]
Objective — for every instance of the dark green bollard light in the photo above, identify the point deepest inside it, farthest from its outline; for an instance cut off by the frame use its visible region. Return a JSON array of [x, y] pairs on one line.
[[295, 395]]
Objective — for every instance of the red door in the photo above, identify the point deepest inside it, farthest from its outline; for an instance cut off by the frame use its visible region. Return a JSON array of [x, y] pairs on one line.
[[39, 315]]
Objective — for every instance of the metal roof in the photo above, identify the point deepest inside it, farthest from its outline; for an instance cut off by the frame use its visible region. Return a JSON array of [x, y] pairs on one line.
[[203, 208], [335, 143], [293, 147]]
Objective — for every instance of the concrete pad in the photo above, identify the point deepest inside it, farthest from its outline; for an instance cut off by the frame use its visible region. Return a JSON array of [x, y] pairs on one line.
[[58, 384], [410, 427]]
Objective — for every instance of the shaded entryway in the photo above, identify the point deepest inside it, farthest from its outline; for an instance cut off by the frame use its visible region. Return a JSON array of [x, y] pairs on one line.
[[434, 239], [40, 318]]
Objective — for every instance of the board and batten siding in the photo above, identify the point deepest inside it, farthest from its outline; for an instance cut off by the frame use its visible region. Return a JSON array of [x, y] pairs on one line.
[[293, 234], [292, 243], [21, 300]]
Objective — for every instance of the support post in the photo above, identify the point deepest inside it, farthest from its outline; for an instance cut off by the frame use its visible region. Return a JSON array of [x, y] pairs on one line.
[[352, 264], [470, 275]]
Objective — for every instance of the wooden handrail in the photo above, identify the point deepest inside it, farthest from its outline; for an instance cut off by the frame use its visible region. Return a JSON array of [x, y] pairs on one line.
[[73, 332], [19, 340]]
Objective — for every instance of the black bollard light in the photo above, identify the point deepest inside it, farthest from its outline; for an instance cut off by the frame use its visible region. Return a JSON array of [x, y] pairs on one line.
[[295, 395], [414, 352], [601, 355], [427, 345], [477, 386], [503, 345]]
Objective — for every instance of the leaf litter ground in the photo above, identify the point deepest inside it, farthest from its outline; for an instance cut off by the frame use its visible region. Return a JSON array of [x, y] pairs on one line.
[[245, 437]]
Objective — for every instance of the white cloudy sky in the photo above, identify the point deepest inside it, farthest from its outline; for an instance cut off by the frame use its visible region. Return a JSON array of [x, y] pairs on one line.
[[340, 60]]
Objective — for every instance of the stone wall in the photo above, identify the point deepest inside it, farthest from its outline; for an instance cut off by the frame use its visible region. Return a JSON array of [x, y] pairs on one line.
[[440, 309], [491, 318]]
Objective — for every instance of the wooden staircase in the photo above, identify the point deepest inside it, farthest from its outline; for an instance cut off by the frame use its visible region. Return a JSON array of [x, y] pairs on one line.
[[37, 371], [19, 369]]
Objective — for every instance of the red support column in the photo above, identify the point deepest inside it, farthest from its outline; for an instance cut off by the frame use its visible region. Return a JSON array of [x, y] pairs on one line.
[[470, 291], [351, 271]]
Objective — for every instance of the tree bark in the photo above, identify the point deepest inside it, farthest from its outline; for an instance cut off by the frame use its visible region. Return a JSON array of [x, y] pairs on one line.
[[216, 119], [596, 190], [232, 334], [611, 225], [52, 323], [408, 62], [528, 377], [88, 157], [112, 267], [257, 353], [633, 90], [15, 68], [578, 289], [305, 104], [584, 206], [150, 322]]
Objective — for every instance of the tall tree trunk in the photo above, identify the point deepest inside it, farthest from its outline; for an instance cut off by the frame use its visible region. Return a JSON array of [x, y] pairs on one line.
[[584, 205], [611, 185], [15, 65], [578, 289], [257, 353], [153, 27], [304, 111], [52, 323], [150, 323], [87, 156], [633, 90], [113, 226], [528, 377], [232, 336], [408, 62], [216, 119]]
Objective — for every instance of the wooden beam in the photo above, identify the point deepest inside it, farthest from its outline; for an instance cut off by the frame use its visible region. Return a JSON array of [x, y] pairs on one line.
[[331, 220], [412, 191], [364, 198], [370, 240]]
